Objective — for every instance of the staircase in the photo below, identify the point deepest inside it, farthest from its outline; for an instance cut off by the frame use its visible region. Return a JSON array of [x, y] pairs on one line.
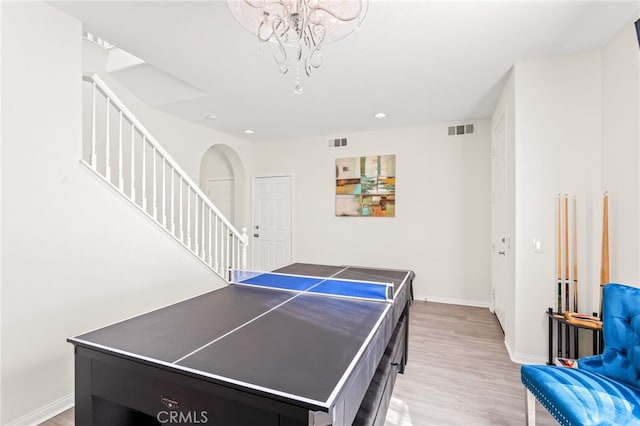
[[122, 153]]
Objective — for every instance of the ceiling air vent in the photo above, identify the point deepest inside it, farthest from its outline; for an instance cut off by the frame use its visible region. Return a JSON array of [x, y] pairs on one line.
[[460, 129], [337, 143]]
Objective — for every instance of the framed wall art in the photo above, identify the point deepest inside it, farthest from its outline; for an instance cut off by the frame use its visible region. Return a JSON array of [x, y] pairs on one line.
[[366, 186]]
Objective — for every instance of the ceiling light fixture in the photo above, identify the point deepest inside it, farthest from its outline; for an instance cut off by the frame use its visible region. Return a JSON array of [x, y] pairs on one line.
[[379, 115], [303, 25], [249, 131]]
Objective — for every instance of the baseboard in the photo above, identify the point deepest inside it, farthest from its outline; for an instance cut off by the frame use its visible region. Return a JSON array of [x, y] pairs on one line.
[[45, 413], [522, 358], [509, 350], [448, 301]]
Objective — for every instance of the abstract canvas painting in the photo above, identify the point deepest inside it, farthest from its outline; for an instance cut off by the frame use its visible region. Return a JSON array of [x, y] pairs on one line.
[[366, 186]]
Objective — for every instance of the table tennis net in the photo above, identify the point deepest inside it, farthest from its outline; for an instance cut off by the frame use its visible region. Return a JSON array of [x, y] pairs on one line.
[[328, 286]]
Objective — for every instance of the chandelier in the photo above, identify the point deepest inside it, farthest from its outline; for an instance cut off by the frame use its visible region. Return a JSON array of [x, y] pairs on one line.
[[299, 28]]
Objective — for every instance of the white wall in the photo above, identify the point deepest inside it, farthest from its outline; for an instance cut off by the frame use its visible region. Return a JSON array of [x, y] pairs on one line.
[[577, 131], [557, 151], [442, 223], [621, 151], [74, 255]]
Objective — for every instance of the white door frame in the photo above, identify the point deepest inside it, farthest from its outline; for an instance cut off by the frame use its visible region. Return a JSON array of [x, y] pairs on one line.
[[252, 229], [500, 243]]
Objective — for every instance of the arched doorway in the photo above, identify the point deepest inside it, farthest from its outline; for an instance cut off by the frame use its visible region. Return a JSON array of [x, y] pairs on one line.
[[222, 179]]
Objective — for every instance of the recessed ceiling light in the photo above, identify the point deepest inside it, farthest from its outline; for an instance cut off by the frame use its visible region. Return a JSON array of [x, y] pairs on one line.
[[211, 117], [379, 115], [249, 131]]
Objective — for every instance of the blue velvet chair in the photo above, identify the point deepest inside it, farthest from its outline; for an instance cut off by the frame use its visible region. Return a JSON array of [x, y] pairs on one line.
[[605, 389]]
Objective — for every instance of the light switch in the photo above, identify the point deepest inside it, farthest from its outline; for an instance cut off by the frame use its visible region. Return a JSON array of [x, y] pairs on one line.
[[537, 246]]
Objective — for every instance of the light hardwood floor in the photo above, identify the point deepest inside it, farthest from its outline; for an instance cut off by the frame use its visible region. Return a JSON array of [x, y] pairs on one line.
[[459, 373]]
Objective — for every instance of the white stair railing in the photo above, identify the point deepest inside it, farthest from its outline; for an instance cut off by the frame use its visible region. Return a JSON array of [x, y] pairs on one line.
[[119, 149]]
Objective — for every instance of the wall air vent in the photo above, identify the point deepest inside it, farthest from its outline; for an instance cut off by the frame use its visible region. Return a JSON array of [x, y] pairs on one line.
[[460, 129], [337, 143]]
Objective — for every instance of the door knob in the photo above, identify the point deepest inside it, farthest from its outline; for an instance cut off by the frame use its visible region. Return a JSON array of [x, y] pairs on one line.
[[501, 252], [256, 235]]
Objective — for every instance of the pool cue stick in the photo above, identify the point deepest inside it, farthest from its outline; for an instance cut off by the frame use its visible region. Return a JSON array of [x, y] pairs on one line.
[[559, 251], [567, 348], [559, 261], [575, 256], [575, 273], [604, 264], [566, 252]]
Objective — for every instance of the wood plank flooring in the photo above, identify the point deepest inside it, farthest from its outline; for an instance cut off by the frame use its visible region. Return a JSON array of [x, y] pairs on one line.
[[459, 373]]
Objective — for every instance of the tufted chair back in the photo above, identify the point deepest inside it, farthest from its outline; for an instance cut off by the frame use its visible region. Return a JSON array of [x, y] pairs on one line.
[[620, 359]]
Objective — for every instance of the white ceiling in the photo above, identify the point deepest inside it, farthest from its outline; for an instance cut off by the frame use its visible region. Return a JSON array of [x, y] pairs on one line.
[[419, 61]]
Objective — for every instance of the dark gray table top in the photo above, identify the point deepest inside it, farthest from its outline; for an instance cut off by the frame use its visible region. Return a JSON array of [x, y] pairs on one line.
[[294, 345]]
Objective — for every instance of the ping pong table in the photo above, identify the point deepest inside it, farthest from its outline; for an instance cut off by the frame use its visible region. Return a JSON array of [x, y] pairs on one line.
[[304, 345]]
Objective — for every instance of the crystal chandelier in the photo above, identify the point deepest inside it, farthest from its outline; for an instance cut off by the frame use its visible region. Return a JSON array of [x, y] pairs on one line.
[[299, 27]]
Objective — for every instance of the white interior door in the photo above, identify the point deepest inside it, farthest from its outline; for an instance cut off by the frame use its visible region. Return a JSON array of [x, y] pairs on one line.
[[499, 239], [272, 226], [220, 192]]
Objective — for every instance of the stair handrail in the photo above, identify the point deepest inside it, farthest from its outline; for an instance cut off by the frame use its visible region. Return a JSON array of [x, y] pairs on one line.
[[115, 100]]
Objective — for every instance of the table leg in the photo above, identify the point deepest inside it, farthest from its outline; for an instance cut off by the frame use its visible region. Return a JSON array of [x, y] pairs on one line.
[[83, 400]]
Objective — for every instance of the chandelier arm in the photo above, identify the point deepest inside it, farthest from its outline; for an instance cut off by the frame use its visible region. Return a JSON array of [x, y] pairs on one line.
[[309, 39], [274, 29], [255, 6], [307, 67], [303, 10], [315, 51], [260, 26], [335, 15], [309, 62], [263, 3], [284, 66]]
